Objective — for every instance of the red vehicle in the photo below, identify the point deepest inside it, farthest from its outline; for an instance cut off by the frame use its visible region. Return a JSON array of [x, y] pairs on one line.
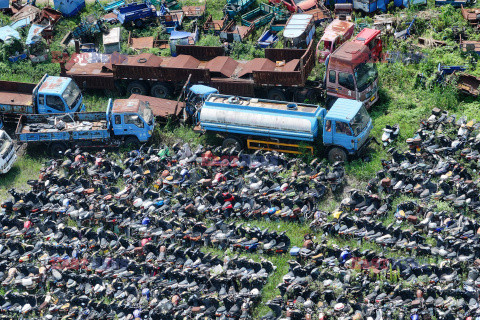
[[371, 38], [299, 6], [351, 74], [336, 33]]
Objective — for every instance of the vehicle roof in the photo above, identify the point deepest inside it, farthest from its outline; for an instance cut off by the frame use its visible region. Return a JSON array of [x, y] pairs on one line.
[[344, 109], [335, 28], [297, 24], [54, 85], [366, 35], [126, 106], [180, 35], [350, 51], [203, 90]]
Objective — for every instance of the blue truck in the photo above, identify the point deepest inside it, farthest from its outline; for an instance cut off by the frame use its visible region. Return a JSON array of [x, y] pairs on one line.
[[136, 13], [287, 127], [50, 95], [126, 122]]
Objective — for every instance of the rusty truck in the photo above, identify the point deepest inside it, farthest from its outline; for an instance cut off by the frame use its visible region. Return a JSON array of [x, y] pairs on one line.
[[281, 75]]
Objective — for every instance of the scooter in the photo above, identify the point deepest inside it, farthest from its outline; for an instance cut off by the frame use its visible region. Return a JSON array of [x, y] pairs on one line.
[[390, 133]]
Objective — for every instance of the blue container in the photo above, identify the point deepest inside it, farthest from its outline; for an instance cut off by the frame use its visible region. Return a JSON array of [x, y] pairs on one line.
[[69, 8]]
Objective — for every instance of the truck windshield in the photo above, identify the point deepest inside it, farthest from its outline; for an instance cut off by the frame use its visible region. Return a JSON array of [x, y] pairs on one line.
[[365, 74], [72, 94], [146, 113], [360, 121]]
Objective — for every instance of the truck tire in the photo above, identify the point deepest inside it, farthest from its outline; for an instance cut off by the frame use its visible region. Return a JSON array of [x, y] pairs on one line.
[[131, 143], [137, 87], [337, 154], [232, 142], [57, 149], [138, 23], [159, 90], [276, 94]]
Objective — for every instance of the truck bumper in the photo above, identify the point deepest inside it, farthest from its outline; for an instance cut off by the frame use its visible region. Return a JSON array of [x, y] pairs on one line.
[[9, 165]]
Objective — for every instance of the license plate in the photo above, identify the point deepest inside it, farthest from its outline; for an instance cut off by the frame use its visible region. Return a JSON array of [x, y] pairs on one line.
[[372, 98]]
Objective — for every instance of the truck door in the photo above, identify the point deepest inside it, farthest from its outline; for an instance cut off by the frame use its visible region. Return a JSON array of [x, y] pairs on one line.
[[54, 104], [117, 125], [346, 85], [328, 132], [342, 134]]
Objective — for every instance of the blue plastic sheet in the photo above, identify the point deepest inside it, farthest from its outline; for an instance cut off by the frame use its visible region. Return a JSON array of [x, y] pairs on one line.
[[34, 34], [7, 34]]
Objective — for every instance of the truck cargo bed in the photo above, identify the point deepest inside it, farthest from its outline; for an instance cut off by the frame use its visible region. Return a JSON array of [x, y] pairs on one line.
[[79, 126], [161, 108], [16, 97]]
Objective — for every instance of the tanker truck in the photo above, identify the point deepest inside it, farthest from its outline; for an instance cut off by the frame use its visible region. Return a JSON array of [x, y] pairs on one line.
[[288, 127]]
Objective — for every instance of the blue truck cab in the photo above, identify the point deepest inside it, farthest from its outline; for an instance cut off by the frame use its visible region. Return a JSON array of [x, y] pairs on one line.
[[286, 126], [50, 95], [347, 125], [131, 118], [58, 95]]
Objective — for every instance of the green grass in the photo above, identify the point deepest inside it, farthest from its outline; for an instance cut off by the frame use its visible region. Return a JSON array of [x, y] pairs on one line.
[[26, 168]]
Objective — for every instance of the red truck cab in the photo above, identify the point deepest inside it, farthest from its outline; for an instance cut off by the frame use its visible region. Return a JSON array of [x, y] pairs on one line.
[[336, 33], [371, 38], [351, 74]]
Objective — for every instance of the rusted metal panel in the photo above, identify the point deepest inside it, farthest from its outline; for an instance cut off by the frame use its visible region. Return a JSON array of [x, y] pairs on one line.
[[202, 53], [181, 74], [214, 25], [471, 15], [183, 61], [283, 54], [137, 72], [162, 108], [239, 88], [28, 11], [468, 84], [15, 98], [193, 12], [94, 82], [293, 78], [18, 87], [224, 65], [144, 60], [256, 64], [130, 105]]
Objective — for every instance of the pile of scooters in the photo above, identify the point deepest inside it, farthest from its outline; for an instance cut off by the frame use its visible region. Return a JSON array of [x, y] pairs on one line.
[[422, 263], [161, 234], [120, 237]]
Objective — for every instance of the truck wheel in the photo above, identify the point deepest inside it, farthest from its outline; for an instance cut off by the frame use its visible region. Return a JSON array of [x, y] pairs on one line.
[[231, 142], [132, 143], [276, 94], [137, 87], [138, 23], [159, 90], [57, 149], [337, 154]]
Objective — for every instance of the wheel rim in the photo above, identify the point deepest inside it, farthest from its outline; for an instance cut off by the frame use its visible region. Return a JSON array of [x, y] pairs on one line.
[[136, 90], [338, 155], [160, 92]]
